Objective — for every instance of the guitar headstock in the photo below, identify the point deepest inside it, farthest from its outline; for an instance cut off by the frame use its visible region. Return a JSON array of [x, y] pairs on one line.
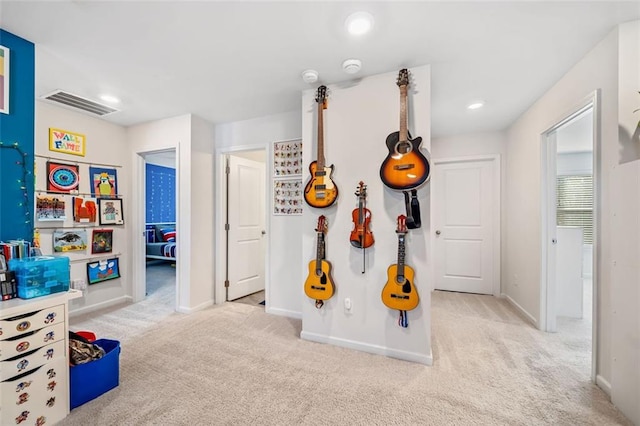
[[402, 224], [403, 77], [361, 190], [321, 96], [322, 224]]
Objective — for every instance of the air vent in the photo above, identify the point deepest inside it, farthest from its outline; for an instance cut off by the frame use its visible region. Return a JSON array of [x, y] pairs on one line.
[[76, 102]]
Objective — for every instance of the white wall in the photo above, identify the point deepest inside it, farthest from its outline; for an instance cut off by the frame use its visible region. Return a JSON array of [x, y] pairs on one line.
[[105, 143], [284, 279], [359, 117], [597, 70]]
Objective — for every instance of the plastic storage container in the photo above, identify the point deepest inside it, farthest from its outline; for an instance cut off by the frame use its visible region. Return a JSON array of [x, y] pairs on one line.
[[89, 381], [41, 275]]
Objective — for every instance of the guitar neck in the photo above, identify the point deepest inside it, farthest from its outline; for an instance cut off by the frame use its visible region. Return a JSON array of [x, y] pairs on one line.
[[320, 253], [404, 132], [320, 158], [401, 252]]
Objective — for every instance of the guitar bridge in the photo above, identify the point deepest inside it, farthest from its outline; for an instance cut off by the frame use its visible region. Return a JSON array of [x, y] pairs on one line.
[[399, 296], [315, 287], [404, 166]]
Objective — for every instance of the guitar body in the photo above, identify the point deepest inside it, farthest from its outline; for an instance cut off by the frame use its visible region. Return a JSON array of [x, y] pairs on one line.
[[320, 191], [402, 295], [361, 236], [319, 285], [405, 167]]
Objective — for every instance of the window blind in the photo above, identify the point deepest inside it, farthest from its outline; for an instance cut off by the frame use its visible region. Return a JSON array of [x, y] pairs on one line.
[[575, 203]]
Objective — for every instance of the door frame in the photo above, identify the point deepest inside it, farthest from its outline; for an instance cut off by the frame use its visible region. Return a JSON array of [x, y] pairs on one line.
[[221, 214], [548, 214], [495, 160], [139, 229]]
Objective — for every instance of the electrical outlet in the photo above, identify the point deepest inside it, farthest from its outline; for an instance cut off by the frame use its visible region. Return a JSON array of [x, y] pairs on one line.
[[347, 304], [79, 284], [516, 282]]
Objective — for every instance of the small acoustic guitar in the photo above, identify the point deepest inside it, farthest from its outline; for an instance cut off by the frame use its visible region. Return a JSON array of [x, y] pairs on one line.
[[320, 191], [319, 285], [399, 292], [404, 167]]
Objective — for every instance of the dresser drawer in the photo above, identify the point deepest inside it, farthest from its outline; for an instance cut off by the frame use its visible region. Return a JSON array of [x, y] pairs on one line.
[[14, 326], [30, 360], [30, 341], [38, 394]]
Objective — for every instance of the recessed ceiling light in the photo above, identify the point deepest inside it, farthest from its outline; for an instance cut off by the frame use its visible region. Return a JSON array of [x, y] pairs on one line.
[[476, 105], [359, 23], [110, 99], [351, 66], [310, 76]]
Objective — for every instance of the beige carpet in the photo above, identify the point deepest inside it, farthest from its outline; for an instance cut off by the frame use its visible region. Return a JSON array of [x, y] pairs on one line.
[[235, 364]]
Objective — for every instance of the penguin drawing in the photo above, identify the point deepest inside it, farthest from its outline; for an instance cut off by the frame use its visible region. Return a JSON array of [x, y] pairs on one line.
[[104, 184]]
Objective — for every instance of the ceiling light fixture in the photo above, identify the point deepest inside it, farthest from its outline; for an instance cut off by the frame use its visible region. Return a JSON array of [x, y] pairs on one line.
[[359, 23], [110, 99], [310, 76], [476, 105], [351, 66]]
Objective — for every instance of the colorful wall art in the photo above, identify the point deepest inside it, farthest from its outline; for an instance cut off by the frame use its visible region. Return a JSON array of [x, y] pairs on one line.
[[50, 207], [103, 270], [85, 210], [102, 241], [62, 178], [64, 241], [104, 182], [66, 142]]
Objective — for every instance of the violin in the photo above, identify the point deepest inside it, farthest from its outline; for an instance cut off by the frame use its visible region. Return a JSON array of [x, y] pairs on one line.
[[361, 236]]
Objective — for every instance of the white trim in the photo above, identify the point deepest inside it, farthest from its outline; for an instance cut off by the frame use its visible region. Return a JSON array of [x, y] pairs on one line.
[[284, 313], [373, 349], [200, 307], [497, 201], [603, 384], [520, 309], [95, 307]]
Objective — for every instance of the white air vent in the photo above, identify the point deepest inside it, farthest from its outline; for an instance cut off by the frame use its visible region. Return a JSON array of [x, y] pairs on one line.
[[77, 102]]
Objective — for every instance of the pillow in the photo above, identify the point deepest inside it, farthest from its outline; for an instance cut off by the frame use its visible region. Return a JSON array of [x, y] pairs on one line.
[[168, 235]]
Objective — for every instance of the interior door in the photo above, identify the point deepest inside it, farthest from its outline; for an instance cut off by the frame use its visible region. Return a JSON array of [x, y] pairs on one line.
[[465, 209], [246, 246]]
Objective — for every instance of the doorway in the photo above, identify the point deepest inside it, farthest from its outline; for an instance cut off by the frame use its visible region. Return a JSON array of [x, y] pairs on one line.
[[569, 237]]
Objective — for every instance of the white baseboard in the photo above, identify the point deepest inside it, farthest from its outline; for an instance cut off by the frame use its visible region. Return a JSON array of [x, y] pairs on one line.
[[284, 313], [200, 307], [526, 314], [366, 347], [603, 384], [92, 308]]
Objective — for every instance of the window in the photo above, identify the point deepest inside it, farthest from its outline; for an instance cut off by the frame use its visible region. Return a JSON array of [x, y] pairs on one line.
[[575, 203]]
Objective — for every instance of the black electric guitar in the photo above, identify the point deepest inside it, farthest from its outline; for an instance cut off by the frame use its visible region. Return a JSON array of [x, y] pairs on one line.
[[320, 191], [399, 292], [319, 285], [404, 167]]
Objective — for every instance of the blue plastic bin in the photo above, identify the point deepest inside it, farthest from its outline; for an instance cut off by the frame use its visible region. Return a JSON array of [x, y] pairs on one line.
[[40, 275], [89, 381]]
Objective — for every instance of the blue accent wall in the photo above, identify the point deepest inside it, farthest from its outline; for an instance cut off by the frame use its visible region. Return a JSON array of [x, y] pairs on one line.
[[16, 220], [160, 194]]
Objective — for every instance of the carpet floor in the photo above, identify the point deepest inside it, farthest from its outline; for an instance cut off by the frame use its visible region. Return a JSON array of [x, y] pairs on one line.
[[235, 364]]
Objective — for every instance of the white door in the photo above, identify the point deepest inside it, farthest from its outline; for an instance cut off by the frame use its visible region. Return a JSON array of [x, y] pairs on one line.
[[466, 210], [246, 251]]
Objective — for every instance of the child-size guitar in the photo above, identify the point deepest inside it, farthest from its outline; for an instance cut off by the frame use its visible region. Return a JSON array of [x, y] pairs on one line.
[[319, 285], [320, 191]]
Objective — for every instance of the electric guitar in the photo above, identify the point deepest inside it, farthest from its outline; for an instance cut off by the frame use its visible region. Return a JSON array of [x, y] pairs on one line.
[[399, 292], [404, 167], [319, 285], [320, 191]]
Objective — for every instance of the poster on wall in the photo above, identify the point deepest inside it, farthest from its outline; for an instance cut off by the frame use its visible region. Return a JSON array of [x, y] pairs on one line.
[[64, 241], [66, 142], [104, 182], [4, 80], [85, 210], [62, 178], [287, 158], [103, 270], [102, 241], [110, 211], [50, 208], [287, 197]]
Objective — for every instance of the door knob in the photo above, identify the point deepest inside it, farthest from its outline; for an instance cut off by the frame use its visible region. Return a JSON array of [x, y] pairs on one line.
[[438, 232], [264, 232], [554, 241]]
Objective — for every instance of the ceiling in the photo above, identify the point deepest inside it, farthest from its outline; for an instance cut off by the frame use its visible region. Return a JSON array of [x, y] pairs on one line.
[[230, 61]]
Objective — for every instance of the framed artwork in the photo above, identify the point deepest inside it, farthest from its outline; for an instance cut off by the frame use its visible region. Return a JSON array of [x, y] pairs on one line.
[[287, 158], [62, 178], [103, 270], [66, 142], [65, 241], [287, 196], [104, 182], [49, 208], [110, 211], [102, 241], [4, 80], [85, 210]]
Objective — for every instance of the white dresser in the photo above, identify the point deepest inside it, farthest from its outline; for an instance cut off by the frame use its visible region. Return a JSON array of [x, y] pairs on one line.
[[34, 364]]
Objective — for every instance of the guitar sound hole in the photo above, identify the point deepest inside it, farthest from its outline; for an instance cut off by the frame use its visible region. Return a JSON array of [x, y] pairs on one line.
[[403, 147], [399, 279]]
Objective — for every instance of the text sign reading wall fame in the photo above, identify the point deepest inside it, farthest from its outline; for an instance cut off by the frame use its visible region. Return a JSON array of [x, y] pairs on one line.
[[66, 142]]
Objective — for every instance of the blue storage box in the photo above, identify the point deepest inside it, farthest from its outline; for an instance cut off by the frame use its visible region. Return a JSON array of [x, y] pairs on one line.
[[89, 381], [41, 275]]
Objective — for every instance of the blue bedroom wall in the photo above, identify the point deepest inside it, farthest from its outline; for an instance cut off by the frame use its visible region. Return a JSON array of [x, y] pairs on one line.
[[160, 194], [17, 130]]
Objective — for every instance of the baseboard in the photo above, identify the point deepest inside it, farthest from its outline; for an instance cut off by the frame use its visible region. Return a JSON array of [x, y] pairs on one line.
[[603, 384], [284, 313], [372, 349], [526, 314], [95, 307], [200, 307]]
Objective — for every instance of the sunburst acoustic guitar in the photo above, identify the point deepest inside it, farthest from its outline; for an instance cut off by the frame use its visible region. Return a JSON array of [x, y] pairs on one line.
[[320, 191], [319, 285], [405, 167]]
